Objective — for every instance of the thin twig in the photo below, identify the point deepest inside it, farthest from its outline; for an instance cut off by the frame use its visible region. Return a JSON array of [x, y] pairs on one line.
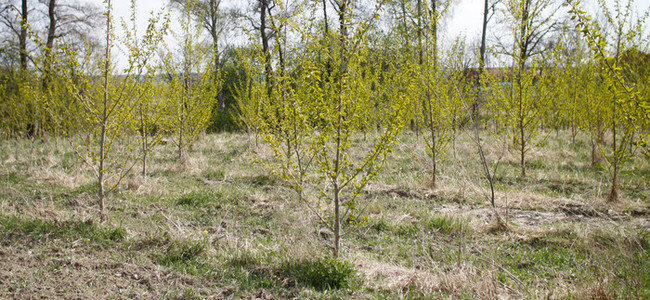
[[171, 221], [494, 263]]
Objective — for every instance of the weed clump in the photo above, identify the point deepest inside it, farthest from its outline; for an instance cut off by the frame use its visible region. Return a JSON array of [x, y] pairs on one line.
[[197, 198], [446, 224], [322, 274], [14, 227], [213, 174], [181, 252], [407, 230], [11, 178], [380, 225]]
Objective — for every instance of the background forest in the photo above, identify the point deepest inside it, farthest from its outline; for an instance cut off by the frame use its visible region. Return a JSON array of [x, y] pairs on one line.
[[320, 149]]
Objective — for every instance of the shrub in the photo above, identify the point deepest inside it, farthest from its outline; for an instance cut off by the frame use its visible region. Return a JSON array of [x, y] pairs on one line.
[[322, 274]]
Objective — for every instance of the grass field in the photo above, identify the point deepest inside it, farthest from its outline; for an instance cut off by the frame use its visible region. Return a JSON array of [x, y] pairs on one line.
[[218, 225]]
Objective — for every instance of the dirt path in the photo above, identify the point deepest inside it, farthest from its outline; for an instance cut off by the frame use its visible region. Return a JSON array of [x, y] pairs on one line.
[[556, 210]]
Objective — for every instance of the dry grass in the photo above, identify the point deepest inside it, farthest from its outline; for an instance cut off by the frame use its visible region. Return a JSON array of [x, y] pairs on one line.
[[219, 225]]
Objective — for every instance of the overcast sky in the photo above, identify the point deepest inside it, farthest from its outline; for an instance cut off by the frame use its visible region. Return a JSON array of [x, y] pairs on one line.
[[465, 18]]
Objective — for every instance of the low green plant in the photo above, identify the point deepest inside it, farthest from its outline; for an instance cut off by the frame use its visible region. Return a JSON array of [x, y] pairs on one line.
[[181, 252], [406, 230], [245, 259], [322, 274], [213, 174], [11, 178], [16, 227], [197, 198], [380, 225], [445, 224], [69, 160]]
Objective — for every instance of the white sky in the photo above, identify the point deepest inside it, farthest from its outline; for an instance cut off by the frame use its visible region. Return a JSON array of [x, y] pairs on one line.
[[468, 14], [465, 18]]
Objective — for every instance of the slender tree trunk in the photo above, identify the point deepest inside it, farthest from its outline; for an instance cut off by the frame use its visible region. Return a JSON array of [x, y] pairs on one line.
[[523, 56], [474, 114], [428, 104], [613, 192], [144, 158], [49, 45], [481, 61], [415, 123], [328, 63], [453, 134], [343, 7], [434, 33], [180, 140], [484, 163], [574, 129], [434, 146], [214, 12], [143, 139], [434, 39], [522, 133], [143, 136], [23, 36], [593, 153], [104, 125], [217, 73], [419, 34], [325, 76], [185, 98], [434, 160], [337, 219], [265, 46]]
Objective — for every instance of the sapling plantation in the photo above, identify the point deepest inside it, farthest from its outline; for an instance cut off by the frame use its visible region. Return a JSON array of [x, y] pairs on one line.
[[317, 149]]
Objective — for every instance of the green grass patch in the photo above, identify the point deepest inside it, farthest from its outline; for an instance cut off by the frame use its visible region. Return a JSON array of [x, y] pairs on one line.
[[64, 193], [180, 252], [250, 270], [185, 256], [199, 198], [15, 228], [322, 274], [380, 225], [69, 160], [406, 230], [11, 178], [213, 174], [446, 224], [258, 180]]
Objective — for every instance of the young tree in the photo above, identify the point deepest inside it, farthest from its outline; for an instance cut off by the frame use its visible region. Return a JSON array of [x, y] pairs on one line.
[[106, 107], [150, 107], [191, 88], [248, 95], [434, 104], [312, 114], [489, 10], [215, 19], [523, 105], [628, 112]]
